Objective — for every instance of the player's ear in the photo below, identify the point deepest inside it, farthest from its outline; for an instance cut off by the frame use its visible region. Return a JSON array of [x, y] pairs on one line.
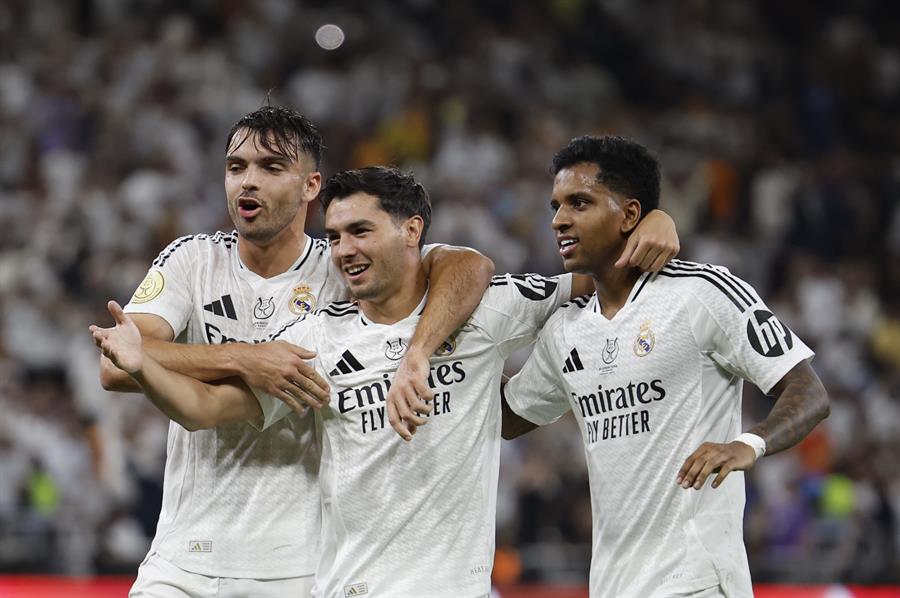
[[413, 228], [312, 184], [632, 211]]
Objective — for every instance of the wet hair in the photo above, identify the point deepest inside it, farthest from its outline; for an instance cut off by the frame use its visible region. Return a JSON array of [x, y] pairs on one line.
[[398, 193], [626, 167], [282, 131]]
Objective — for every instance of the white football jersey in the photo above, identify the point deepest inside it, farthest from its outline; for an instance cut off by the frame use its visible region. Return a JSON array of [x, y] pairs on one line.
[[238, 502], [414, 519], [648, 387]]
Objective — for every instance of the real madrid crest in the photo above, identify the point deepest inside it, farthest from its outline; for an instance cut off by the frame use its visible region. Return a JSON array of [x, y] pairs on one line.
[[302, 300], [447, 347], [150, 288], [645, 341]]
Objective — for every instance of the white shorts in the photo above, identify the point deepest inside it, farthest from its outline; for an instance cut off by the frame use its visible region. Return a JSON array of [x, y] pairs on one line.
[[158, 578]]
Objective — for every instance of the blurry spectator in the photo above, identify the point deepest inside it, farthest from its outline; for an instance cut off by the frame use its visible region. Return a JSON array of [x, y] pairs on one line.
[[776, 128]]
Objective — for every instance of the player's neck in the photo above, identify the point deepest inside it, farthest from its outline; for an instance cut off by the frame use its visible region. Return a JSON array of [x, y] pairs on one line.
[[399, 304], [275, 257], [613, 286]]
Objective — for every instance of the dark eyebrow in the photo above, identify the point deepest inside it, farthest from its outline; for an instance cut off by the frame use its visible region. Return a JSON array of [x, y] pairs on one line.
[[354, 224], [362, 222], [580, 195], [276, 158], [279, 158]]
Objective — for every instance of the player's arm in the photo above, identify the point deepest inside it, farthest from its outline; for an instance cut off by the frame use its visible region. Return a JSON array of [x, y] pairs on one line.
[[536, 395], [457, 279], [194, 404], [652, 244], [513, 425], [801, 403], [278, 368], [650, 247]]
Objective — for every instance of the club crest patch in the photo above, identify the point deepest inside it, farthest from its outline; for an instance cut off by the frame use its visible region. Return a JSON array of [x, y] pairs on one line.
[[150, 288], [302, 300], [645, 340], [447, 347]]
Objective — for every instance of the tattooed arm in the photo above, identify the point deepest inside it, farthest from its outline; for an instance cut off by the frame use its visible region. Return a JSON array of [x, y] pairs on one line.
[[801, 403]]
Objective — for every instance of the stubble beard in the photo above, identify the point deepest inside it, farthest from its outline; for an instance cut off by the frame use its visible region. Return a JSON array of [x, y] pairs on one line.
[[265, 227]]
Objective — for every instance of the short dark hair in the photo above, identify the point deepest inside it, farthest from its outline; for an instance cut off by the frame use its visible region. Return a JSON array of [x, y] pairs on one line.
[[293, 134], [626, 167], [398, 193]]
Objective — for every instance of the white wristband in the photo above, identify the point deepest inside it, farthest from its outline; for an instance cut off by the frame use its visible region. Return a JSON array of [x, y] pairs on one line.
[[753, 441]]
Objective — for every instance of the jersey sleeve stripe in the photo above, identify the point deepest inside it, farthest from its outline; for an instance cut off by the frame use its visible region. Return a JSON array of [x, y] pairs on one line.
[[709, 279], [740, 293], [227, 239]]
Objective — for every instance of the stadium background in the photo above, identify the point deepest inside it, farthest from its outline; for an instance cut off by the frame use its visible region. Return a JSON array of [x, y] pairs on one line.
[[778, 132]]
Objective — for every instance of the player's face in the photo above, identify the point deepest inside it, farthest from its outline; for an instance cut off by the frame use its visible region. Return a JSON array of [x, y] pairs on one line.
[[588, 220], [265, 190], [367, 245]]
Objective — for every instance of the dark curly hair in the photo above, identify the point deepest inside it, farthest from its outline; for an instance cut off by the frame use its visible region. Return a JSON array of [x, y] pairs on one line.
[[398, 193], [292, 133], [626, 167]]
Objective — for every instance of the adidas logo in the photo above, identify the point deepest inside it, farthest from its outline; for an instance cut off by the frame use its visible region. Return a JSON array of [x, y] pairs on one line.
[[222, 307], [347, 364], [573, 363]]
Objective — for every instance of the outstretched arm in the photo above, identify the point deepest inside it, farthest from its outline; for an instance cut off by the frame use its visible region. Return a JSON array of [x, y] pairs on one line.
[[278, 368], [801, 403], [457, 279], [193, 404], [652, 244]]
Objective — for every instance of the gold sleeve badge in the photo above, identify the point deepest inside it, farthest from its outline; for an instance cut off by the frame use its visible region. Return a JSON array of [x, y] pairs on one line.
[[152, 285]]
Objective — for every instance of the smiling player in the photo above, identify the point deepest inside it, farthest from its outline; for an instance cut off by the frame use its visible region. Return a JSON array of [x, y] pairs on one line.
[[652, 365]]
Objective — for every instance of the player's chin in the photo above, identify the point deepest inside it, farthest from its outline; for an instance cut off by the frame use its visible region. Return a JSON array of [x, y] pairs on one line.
[[571, 264]]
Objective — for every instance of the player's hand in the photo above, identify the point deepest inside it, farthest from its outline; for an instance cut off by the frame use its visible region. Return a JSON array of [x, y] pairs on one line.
[[713, 457], [410, 397], [121, 343], [652, 244], [280, 369]]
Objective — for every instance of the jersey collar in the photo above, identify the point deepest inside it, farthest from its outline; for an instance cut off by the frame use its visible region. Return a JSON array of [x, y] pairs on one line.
[[632, 296], [415, 312], [304, 256]]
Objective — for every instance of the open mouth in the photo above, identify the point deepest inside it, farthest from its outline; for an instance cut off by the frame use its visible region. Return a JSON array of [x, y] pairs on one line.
[[249, 207], [355, 271], [567, 246]]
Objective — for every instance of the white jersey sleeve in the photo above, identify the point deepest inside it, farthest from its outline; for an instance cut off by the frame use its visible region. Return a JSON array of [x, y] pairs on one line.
[[733, 326], [537, 392], [300, 332], [516, 306], [167, 290]]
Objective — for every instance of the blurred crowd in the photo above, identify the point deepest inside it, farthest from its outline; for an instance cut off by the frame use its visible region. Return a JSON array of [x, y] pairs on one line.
[[776, 125]]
